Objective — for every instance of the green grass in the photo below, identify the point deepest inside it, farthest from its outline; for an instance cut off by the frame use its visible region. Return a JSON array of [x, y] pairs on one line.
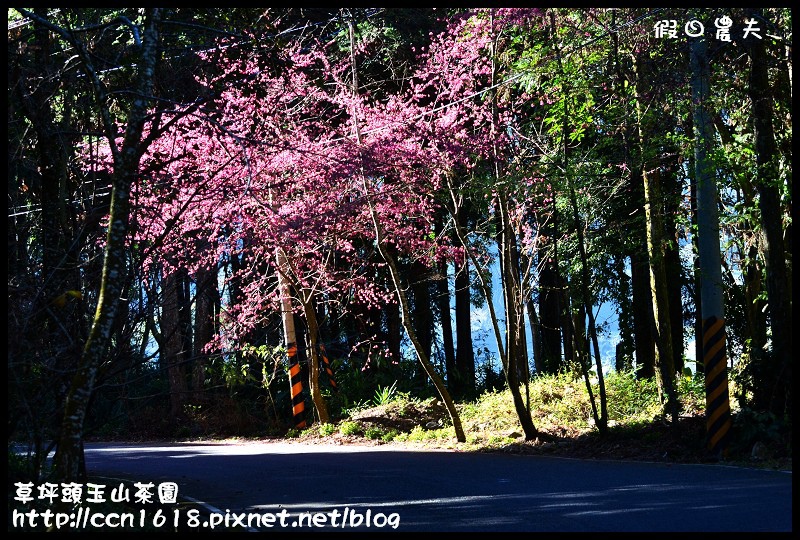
[[558, 403], [561, 410], [349, 428], [326, 429], [373, 433]]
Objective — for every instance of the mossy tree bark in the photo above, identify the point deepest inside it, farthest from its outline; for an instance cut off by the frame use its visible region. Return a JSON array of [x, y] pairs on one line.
[[69, 455]]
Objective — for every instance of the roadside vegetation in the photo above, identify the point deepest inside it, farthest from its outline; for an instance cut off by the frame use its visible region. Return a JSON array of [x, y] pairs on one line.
[[561, 409]]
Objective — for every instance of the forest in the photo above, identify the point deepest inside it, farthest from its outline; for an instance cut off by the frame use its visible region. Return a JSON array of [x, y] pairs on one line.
[[265, 216]]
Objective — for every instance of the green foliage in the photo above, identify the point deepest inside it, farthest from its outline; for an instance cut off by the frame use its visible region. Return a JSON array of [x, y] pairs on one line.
[[560, 399], [360, 389], [417, 434], [389, 435], [374, 433], [356, 408], [692, 392], [630, 398], [383, 395], [420, 434], [326, 429], [751, 426], [349, 428]]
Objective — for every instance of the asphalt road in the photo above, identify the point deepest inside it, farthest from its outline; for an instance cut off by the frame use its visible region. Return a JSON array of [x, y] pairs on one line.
[[452, 491]]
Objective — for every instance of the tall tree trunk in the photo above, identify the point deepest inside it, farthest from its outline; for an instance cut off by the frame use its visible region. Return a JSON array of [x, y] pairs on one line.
[[565, 318], [755, 307], [665, 356], [625, 347], [510, 279], [522, 413], [515, 322], [536, 336], [393, 329], [641, 308], [651, 176], [55, 329], [530, 307], [446, 322], [777, 392], [523, 366], [642, 315], [698, 275], [175, 353], [672, 267], [422, 313], [465, 354], [69, 456], [405, 313], [550, 317], [601, 420], [315, 360], [206, 312]]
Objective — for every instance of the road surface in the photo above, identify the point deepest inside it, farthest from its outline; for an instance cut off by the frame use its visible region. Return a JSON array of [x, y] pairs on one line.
[[419, 490]]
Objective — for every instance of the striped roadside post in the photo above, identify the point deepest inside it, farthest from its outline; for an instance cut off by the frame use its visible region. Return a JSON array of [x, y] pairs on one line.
[[718, 411], [328, 368], [296, 388]]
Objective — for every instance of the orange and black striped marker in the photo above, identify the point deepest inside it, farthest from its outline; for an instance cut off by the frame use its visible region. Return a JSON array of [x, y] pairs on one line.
[[718, 409], [328, 368], [296, 388]]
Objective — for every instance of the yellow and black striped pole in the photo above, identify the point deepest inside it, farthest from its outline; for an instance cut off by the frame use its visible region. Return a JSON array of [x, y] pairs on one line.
[[296, 388], [327, 365], [718, 411]]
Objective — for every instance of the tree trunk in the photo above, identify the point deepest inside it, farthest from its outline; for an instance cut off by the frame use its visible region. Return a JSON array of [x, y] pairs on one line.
[[672, 266], [446, 322], [422, 313], [206, 312], [777, 391], [698, 275], [175, 354], [515, 322], [651, 176], [601, 420], [465, 354], [524, 416], [523, 366], [536, 336], [550, 317], [665, 359], [314, 358], [393, 330], [565, 317], [510, 279], [405, 313], [69, 457]]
